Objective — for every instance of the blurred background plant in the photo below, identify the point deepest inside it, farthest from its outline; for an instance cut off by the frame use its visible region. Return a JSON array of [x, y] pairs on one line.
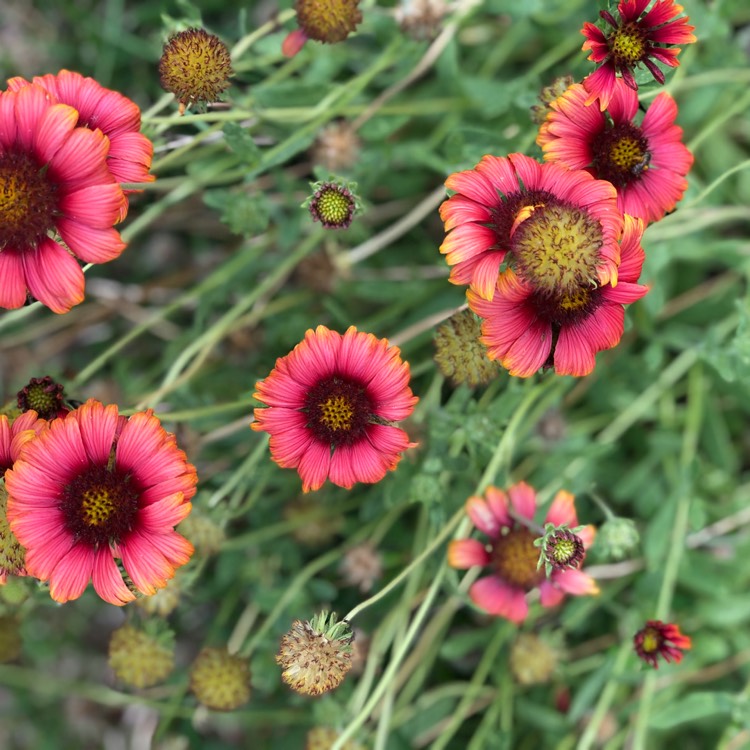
[[225, 272]]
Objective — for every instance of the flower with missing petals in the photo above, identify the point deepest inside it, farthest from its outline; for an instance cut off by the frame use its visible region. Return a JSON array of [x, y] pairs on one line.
[[44, 396], [663, 639], [94, 488], [511, 556], [139, 658], [195, 66], [332, 404], [327, 21], [316, 655], [636, 37], [220, 680]]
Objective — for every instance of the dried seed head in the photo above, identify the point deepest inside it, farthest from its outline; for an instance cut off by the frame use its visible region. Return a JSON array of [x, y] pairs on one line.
[[202, 533], [459, 354], [140, 659], [163, 602], [532, 660], [195, 66], [361, 566], [323, 738], [316, 655], [548, 95], [421, 19], [220, 680], [337, 146]]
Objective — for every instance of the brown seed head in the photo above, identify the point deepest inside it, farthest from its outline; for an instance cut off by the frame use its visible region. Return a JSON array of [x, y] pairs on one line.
[[139, 659], [328, 21]]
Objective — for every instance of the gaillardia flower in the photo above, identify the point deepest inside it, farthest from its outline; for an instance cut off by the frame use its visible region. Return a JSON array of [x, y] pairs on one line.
[[54, 181], [333, 204], [195, 66], [663, 639], [526, 328], [332, 404], [636, 37], [517, 208], [95, 487], [646, 163], [327, 21], [511, 555], [13, 436], [119, 118]]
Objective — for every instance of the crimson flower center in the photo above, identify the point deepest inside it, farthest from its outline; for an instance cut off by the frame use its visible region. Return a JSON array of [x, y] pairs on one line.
[[27, 201], [339, 410], [621, 154], [628, 44], [515, 559], [100, 505], [556, 249]]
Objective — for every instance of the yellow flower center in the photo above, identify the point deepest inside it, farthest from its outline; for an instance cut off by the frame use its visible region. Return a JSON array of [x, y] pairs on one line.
[[96, 506], [557, 250], [337, 413], [626, 154], [628, 44], [515, 559], [651, 641], [328, 20], [333, 206], [27, 202]]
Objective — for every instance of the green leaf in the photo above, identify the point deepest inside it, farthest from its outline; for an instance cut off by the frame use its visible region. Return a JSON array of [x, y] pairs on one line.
[[246, 215], [694, 707], [241, 143]]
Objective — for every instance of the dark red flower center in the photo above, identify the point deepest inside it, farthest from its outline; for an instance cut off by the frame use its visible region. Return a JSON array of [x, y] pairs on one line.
[[556, 248], [339, 410], [43, 395], [100, 505], [621, 154], [28, 201], [628, 45], [515, 559]]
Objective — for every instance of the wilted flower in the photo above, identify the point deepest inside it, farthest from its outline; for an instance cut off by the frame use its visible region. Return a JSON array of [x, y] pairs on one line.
[[657, 639], [532, 660], [44, 396], [327, 21]]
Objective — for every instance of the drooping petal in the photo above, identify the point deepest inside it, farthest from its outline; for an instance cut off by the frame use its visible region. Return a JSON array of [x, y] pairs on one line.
[[496, 597], [53, 276], [523, 499], [575, 582], [72, 573], [466, 553], [107, 580]]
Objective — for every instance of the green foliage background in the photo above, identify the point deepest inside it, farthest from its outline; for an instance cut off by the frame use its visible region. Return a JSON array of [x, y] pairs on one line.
[[213, 288]]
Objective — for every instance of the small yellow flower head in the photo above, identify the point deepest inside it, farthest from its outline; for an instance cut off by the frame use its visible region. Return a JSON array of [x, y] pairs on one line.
[[44, 396], [12, 554], [548, 95], [10, 639], [327, 21], [140, 659], [361, 566], [333, 204], [316, 655], [459, 354], [195, 66], [205, 535], [220, 680], [532, 660], [337, 146], [323, 738], [163, 602]]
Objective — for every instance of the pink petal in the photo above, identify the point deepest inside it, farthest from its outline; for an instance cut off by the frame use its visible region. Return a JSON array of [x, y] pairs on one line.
[[574, 353], [314, 466], [499, 504], [88, 244], [549, 595], [72, 574], [12, 278], [165, 514], [486, 272], [147, 567], [97, 425], [501, 174], [466, 553], [482, 517], [473, 185], [459, 209], [523, 499], [496, 597], [53, 276], [574, 582], [563, 510], [467, 242], [97, 206], [107, 580], [293, 43]]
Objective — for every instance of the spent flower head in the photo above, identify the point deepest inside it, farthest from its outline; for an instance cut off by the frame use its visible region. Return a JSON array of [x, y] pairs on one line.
[[44, 396], [548, 95], [532, 659], [316, 655], [141, 658], [327, 21], [657, 638], [195, 66], [220, 680]]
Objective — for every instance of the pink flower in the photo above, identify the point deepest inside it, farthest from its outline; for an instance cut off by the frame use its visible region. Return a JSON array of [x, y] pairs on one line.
[[332, 403], [636, 38], [13, 436], [511, 210], [524, 329], [511, 555], [663, 639], [54, 181], [119, 118], [95, 487], [646, 163]]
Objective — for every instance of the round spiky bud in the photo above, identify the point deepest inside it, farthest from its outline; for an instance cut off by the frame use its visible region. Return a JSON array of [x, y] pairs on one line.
[[333, 204], [337, 146], [10, 638], [459, 354], [532, 660], [316, 655], [323, 738], [563, 549], [140, 659], [195, 66], [12, 554], [361, 566], [548, 95], [44, 396], [617, 538], [205, 535], [220, 680]]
